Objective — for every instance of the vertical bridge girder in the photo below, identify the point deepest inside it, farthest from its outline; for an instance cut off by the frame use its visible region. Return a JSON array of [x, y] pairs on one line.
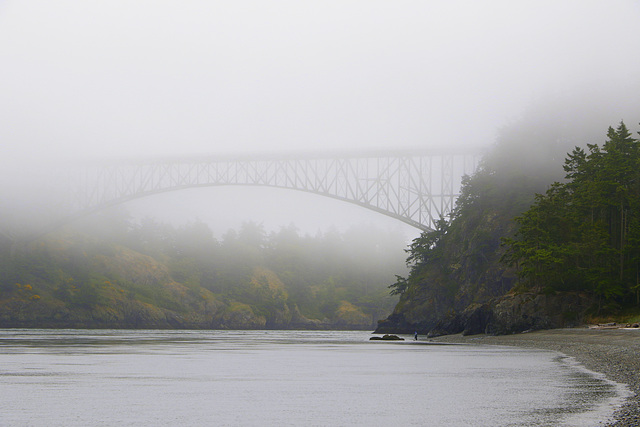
[[416, 187]]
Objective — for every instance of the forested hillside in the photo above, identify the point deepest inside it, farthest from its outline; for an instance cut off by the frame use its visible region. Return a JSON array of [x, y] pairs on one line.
[[529, 248], [584, 234], [110, 272]]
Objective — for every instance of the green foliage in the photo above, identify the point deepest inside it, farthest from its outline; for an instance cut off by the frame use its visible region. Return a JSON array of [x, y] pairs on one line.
[[188, 271], [425, 252], [580, 234], [399, 287], [583, 234], [425, 249], [85, 296]]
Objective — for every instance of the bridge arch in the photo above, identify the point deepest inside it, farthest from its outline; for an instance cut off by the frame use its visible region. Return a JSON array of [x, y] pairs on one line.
[[415, 187]]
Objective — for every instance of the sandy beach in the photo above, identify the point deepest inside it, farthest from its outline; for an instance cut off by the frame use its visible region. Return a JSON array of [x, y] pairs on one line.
[[613, 352]]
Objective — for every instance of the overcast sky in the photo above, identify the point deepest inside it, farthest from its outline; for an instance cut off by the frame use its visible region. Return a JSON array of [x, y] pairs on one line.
[[160, 78]]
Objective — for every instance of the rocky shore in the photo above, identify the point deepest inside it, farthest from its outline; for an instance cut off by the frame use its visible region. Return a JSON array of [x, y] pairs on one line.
[[613, 352]]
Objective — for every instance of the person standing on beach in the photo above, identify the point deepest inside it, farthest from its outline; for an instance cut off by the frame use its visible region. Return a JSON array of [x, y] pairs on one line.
[[415, 335]]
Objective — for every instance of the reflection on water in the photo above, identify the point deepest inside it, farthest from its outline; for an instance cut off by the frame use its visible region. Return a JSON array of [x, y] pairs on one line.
[[108, 377]]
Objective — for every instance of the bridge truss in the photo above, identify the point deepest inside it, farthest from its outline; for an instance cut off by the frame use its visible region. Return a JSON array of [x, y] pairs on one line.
[[417, 188]]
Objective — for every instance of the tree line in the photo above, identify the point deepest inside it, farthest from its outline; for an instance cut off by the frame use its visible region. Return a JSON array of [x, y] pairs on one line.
[[584, 232], [318, 272], [110, 260]]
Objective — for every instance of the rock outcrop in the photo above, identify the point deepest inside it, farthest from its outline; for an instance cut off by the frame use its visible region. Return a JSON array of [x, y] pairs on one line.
[[508, 314], [387, 337]]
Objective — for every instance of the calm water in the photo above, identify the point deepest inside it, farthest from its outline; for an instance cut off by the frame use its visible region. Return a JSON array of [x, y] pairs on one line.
[[190, 378]]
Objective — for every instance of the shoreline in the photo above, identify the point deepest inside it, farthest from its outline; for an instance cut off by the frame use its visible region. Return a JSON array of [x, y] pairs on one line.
[[612, 352]]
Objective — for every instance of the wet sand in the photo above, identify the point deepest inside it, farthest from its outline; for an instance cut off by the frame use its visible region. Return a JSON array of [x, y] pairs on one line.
[[613, 352]]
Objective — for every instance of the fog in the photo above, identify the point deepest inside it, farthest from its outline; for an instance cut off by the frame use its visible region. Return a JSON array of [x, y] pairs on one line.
[[147, 79]]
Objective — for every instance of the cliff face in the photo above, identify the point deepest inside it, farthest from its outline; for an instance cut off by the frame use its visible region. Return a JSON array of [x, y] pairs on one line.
[[469, 274], [515, 313], [458, 282], [470, 291]]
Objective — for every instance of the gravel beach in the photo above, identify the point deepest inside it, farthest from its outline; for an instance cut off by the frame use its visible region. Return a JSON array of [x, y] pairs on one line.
[[613, 352]]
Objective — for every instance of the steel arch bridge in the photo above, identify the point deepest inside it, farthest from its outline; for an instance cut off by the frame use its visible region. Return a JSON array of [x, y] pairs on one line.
[[416, 187]]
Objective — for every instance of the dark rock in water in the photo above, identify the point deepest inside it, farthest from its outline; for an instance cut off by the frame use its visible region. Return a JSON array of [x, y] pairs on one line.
[[387, 337]]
